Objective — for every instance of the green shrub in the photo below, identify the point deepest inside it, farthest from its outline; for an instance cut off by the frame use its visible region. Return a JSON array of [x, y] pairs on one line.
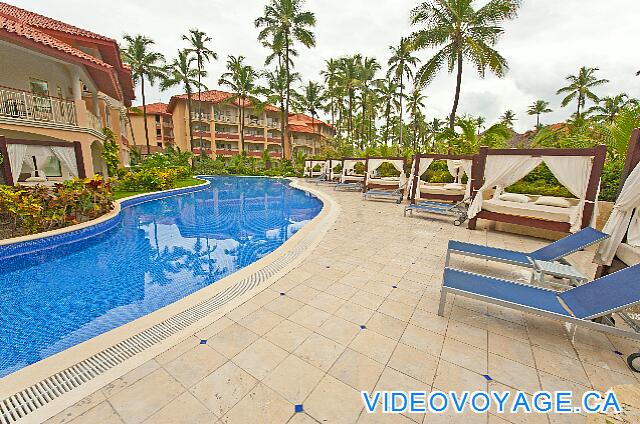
[[149, 179], [358, 168], [540, 187]]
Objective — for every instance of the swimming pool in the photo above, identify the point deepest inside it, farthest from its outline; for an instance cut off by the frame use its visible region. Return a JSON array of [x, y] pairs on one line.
[[159, 252]]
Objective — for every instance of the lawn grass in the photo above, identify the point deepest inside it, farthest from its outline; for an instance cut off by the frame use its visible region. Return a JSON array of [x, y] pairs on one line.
[[185, 182]]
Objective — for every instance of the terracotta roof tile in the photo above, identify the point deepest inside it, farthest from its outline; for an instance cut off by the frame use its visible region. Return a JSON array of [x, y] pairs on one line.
[[43, 22], [160, 108]]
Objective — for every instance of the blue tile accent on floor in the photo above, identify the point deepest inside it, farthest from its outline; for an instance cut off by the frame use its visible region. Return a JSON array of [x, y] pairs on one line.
[[617, 352], [298, 408], [282, 294], [395, 287], [203, 342], [362, 327], [487, 377]]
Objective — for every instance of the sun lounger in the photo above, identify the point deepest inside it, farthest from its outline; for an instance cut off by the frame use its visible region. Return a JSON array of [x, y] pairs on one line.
[[555, 251], [590, 304], [354, 186], [395, 195], [457, 210]]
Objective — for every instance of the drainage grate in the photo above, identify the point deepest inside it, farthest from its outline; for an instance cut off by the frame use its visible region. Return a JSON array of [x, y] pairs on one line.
[[18, 406]]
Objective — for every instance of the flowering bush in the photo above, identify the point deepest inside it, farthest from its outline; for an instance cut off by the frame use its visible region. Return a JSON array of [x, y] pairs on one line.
[[28, 210], [150, 179]]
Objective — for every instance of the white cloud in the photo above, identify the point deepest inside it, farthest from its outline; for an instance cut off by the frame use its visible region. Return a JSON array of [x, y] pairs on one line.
[[549, 40]]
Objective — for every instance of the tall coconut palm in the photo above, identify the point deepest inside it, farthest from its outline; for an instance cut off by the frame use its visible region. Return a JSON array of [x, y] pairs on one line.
[[580, 87], [537, 108], [198, 41], [401, 64], [276, 91], [368, 69], [180, 72], [283, 23], [610, 106], [242, 80], [507, 118], [387, 90], [311, 100], [330, 74], [415, 102], [145, 65], [349, 75], [461, 32]]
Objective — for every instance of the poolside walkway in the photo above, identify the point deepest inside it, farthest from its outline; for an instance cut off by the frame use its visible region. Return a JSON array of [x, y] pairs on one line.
[[360, 314]]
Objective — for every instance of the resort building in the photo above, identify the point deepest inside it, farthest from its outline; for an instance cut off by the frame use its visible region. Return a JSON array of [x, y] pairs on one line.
[[159, 128], [59, 87], [216, 127]]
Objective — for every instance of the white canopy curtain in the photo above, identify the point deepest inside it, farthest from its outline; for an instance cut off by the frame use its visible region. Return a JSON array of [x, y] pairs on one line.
[[467, 165], [66, 156], [454, 166], [17, 153], [573, 172], [501, 171], [621, 218], [423, 165], [398, 164]]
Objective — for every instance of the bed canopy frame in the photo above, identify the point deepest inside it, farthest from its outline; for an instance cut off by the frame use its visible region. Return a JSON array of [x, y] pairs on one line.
[[372, 163], [309, 164], [347, 165], [513, 161], [422, 161], [606, 263], [329, 165]]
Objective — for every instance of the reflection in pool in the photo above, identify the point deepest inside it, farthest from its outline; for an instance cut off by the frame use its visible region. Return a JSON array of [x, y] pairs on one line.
[[160, 252]]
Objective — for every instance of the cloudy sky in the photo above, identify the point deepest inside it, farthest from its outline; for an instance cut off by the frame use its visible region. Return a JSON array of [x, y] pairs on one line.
[[549, 40]]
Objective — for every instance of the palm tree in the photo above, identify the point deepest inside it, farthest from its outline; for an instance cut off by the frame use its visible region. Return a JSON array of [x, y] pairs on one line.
[[464, 33], [284, 22], [538, 107], [580, 86], [311, 100], [180, 72], [416, 104], [368, 69], [330, 75], [609, 106], [144, 64], [242, 80], [401, 64], [469, 142], [276, 91], [349, 75], [480, 121], [387, 90], [507, 118]]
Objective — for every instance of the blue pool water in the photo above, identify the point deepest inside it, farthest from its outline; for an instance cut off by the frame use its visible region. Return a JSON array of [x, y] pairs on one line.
[[160, 252]]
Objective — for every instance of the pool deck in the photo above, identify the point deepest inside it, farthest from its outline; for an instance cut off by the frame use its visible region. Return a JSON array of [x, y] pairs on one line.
[[359, 313]]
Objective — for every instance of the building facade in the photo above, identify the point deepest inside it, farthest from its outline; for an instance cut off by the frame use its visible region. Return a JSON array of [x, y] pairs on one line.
[[216, 128], [159, 128], [59, 87]]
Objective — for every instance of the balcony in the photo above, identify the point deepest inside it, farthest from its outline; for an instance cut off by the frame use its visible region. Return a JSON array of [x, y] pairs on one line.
[[273, 124], [225, 119], [197, 151], [254, 153], [168, 138], [202, 116], [226, 152], [254, 122], [227, 136], [254, 137], [167, 124], [274, 154], [94, 122], [201, 134], [274, 140], [22, 105]]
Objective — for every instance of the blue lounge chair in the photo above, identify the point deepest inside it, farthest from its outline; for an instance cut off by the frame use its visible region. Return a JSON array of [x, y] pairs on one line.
[[555, 251], [395, 195], [590, 304], [456, 210]]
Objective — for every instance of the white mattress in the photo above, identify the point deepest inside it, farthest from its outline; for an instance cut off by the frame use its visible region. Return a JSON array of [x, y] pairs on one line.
[[430, 188], [347, 178], [529, 210], [387, 181], [628, 254]]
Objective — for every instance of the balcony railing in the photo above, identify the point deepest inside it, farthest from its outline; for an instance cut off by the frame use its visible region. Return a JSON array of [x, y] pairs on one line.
[[273, 124], [94, 122], [254, 137], [225, 119], [227, 136], [35, 108], [202, 116], [197, 133], [254, 122], [227, 152]]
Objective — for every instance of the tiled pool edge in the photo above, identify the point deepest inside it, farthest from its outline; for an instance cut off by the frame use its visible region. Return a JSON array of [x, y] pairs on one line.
[[41, 241], [22, 391]]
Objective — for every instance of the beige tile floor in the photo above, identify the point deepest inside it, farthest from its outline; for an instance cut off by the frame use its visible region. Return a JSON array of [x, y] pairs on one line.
[[308, 346]]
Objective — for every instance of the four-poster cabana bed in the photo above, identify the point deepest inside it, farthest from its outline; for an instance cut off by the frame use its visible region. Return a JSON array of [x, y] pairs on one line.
[[458, 165], [372, 182], [330, 176], [579, 170], [622, 249], [349, 180], [309, 164]]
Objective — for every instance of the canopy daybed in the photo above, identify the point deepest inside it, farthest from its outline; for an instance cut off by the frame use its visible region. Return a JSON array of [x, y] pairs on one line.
[[622, 249], [372, 181], [458, 165], [309, 164], [329, 175], [348, 170], [579, 170]]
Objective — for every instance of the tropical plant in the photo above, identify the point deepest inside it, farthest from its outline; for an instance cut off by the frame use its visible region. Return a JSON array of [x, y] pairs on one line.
[[617, 133], [311, 100], [242, 80], [609, 106], [145, 64], [110, 151], [580, 87], [198, 41], [468, 141], [387, 90], [416, 104], [508, 117], [401, 65], [461, 32], [368, 70], [537, 108], [284, 22], [276, 91], [181, 72]]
